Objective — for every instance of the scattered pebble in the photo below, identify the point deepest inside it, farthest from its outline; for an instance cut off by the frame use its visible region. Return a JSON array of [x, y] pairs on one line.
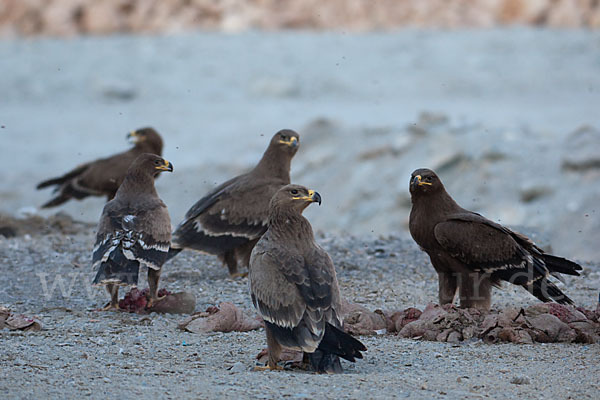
[[520, 380]]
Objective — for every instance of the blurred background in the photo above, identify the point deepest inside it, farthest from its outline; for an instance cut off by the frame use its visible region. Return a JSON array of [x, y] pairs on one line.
[[500, 97]]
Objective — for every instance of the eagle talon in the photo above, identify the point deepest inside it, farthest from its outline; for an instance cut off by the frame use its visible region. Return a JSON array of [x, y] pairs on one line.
[[239, 275], [152, 302], [109, 307], [268, 368], [301, 365]]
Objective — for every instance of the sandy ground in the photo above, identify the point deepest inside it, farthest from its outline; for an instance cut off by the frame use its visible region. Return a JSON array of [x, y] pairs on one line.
[[82, 352]]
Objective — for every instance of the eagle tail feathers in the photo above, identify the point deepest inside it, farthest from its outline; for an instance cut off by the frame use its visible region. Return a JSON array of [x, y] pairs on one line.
[[546, 291], [561, 265], [335, 344], [118, 270]]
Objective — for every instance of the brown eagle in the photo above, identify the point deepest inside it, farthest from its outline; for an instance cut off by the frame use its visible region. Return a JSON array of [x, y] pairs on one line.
[[102, 177], [294, 287], [134, 230], [229, 220], [471, 253]]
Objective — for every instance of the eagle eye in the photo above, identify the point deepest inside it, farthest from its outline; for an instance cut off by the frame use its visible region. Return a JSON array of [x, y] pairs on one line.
[[294, 192]]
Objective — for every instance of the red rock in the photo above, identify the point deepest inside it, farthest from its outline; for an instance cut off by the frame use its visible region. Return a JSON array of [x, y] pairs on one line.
[[227, 318], [414, 329], [400, 319], [136, 301], [548, 329], [492, 335], [515, 335], [587, 331], [360, 321], [566, 314], [454, 337], [23, 323], [433, 312], [490, 322], [4, 314]]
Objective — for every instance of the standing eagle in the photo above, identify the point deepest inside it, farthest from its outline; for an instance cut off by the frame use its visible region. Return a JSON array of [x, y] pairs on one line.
[[104, 176], [295, 289], [471, 253], [134, 230], [229, 220]]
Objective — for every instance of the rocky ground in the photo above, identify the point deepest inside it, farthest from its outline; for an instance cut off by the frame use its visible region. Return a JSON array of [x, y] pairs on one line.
[[83, 352], [508, 118], [73, 17]]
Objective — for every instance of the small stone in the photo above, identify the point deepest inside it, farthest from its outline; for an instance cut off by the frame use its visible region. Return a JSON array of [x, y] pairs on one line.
[[520, 380], [238, 367]]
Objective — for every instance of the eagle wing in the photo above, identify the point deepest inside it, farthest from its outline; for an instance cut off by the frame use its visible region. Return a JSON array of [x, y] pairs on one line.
[[140, 233], [235, 212], [486, 247], [101, 177], [295, 291]]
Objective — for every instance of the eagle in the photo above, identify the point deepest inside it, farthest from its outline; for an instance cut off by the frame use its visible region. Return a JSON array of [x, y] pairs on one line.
[[471, 254], [134, 230], [228, 221], [102, 177], [294, 288]]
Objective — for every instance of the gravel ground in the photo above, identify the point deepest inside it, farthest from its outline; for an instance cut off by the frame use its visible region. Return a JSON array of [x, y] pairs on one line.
[[508, 99], [82, 352]]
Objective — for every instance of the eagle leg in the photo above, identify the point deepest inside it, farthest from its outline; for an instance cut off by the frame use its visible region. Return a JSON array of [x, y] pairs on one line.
[[153, 277], [244, 251], [113, 290], [229, 259], [268, 368], [475, 291], [447, 287], [303, 365], [274, 351]]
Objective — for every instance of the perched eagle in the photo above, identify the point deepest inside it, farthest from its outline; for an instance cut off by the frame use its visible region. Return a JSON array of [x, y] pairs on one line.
[[295, 289], [229, 220], [104, 176], [471, 253], [134, 230]]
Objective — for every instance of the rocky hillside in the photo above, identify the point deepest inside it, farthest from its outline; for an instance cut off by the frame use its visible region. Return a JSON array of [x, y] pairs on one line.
[[73, 17]]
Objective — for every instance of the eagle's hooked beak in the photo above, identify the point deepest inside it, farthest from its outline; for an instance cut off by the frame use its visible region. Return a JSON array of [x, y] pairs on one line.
[[167, 166], [293, 142], [417, 181], [133, 138], [313, 197]]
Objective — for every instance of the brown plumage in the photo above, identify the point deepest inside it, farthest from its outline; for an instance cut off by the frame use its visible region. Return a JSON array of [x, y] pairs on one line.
[[229, 220], [134, 230], [102, 177], [471, 253], [295, 289]]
